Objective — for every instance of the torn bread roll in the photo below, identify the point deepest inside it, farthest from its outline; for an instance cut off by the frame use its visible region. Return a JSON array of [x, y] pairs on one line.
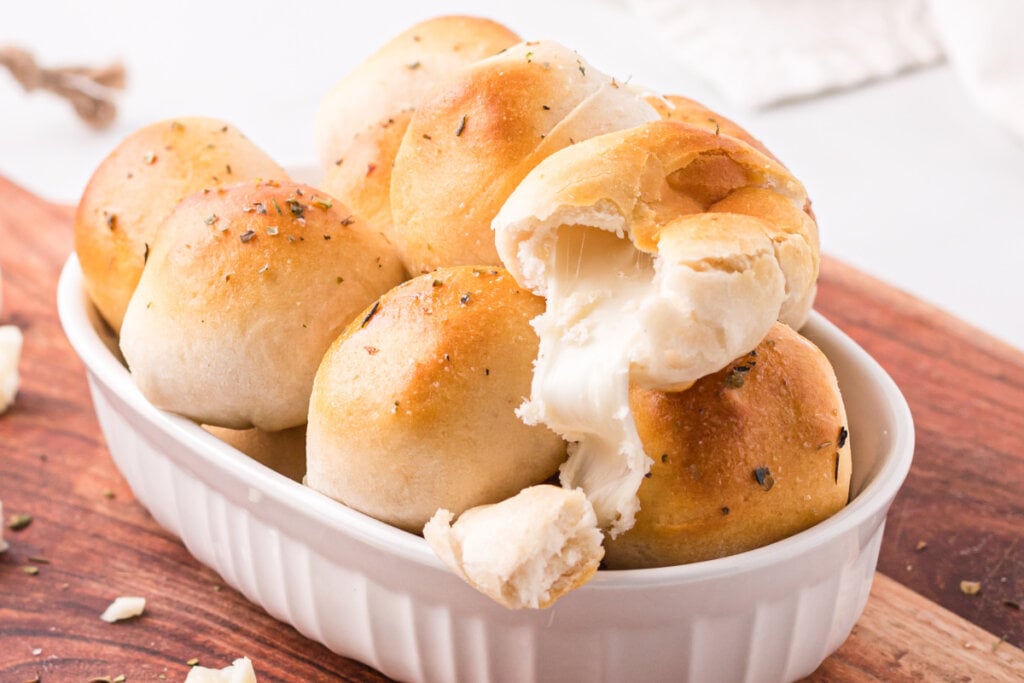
[[413, 407], [361, 122], [245, 289], [526, 551], [479, 133], [664, 252], [747, 456], [138, 185], [398, 75]]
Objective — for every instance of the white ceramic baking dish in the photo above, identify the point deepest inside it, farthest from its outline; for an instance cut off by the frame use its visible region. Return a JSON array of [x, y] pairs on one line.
[[377, 594]]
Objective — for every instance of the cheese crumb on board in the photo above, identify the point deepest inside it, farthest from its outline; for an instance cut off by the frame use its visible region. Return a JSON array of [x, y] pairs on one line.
[[123, 608], [240, 671]]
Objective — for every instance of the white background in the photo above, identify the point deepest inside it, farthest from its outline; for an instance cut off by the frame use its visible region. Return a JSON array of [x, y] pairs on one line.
[[910, 181]]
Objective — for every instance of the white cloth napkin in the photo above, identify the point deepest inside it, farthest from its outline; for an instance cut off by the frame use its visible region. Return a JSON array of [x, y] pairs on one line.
[[763, 52]]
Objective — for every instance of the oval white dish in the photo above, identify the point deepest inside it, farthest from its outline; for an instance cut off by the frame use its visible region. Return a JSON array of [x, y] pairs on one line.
[[377, 594]]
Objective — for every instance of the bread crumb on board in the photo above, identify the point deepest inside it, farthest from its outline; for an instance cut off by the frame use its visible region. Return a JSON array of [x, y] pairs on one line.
[[239, 671], [125, 607]]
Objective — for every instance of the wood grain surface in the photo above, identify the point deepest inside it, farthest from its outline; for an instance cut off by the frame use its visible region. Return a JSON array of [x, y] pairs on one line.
[[89, 539]]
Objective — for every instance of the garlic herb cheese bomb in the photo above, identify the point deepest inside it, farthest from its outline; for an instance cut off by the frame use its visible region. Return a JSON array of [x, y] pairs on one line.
[[413, 407], [361, 122], [664, 251], [245, 288], [480, 132], [748, 455], [137, 186]]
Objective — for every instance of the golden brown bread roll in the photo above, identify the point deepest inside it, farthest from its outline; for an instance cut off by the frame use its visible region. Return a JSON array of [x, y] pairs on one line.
[[361, 179], [136, 187], [413, 407], [398, 75], [747, 456], [664, 251], [480, 132], [245, 289], [686, 110]]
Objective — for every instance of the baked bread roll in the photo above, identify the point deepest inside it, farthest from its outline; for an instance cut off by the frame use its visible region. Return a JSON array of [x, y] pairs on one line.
[[283, 451], [245, 288], [526, 551], [413, 407], [664, 252], [398, 75], [692, 112], [136, 187], [479, 133], [362, 120], [747, 456], [361, 179]]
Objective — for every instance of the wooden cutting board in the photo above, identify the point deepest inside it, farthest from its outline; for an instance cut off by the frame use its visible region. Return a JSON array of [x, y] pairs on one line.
[[960, 515]]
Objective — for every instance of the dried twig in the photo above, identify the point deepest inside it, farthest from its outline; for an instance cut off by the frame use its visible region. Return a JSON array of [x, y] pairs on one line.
[[90, 91]]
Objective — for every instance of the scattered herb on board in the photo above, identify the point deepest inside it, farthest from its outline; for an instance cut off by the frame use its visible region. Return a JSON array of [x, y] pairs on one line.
[[921, 545], [38, 560], [764, 478], [462, 126], [247, 235], [193, 662], [970, 587], [1012, 604], [18, 522], [30, 570], [373, 312], [843, 435]]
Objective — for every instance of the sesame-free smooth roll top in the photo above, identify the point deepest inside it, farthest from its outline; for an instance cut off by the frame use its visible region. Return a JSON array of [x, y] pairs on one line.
[[245, 289]]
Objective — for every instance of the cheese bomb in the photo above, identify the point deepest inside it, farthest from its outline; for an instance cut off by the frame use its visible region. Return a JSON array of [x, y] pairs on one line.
[[414, 406], [745, 457], [244, 290]]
